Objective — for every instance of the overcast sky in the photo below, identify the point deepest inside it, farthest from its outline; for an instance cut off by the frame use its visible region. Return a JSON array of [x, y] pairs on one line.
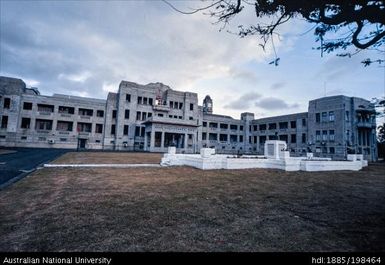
[[86, 48]]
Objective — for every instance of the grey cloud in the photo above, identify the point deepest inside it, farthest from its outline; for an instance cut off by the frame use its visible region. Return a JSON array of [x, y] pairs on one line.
[[244, 75], [244, 102], [272, 103], [277, 85]]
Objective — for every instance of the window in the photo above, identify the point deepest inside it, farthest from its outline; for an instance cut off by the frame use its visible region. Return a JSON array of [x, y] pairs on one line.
[[262, 127], [304, 138], [113, 127], [204, 136], [144, 116], [63, 139], [213, 136], [99, 128], [318, 117], [255, 139], [272, 126], [324, 135], [86, 112], [204, 124], [65, 126], [125, 130], [66, 110], [139, 100], [283, 125], [303, 122], [331, 135], [191, 118], [255, 127], [191, 106], [233, 138], [27, 105], [224, 126], [324, 116], [114, 114], [318, 136], [4, 122], [43, 124], [138, 115], [7, 103], [128, 97], [262, 139], [145, 101], [150, 101], [331, 116], [160, 115], [45, 108], [233, 127], [332, 150], [241, 127], [180, 105], [137, 131], [293, 138], [149, 115], [100, 113], [84, 127], [127, 114], [241, 138], [293, 124], [347, 116], [223, 137], [25, 123], [213, 125]]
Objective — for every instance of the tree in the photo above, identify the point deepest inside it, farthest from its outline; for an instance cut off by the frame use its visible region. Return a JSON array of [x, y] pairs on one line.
[[359, 24]]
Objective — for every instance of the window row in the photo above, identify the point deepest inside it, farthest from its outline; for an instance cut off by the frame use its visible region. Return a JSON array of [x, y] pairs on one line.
[[144, 100], [223, 126], [142, 116], [273, 126], [325, 117], [324, 135]]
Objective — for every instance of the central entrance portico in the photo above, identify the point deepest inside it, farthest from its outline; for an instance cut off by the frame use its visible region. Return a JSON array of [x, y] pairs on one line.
[[161, 133]]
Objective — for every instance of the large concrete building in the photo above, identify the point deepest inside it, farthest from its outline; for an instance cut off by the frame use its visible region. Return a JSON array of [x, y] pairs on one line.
[[153, 117]]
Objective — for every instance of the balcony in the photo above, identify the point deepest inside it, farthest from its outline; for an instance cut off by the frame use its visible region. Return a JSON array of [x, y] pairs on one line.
[[161, 108], [366, 124]]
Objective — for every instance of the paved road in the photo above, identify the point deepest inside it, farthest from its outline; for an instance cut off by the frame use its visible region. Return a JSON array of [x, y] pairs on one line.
[[24, 161]]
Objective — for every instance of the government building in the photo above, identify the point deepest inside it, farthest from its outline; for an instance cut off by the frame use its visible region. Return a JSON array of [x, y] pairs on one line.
[[153, 117]]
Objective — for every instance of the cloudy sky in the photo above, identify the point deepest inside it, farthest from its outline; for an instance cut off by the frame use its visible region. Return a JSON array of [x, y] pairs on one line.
[[86, 48]]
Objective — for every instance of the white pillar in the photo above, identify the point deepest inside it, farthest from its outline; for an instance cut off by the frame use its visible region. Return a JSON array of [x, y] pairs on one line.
[[162, 141], [152, 139], [145, 141]]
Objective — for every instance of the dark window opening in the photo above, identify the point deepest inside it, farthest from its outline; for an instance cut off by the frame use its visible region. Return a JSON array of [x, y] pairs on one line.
[[99, 128], [86, 112], [7, 103], [127, 114], [27, 105], [125, 130], [25, 123], [100, 113], [66, 110]]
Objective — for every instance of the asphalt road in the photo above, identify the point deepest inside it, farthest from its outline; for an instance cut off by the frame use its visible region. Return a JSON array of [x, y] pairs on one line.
[[17, 165]]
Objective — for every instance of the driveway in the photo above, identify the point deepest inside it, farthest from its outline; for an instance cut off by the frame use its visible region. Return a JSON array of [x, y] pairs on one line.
[[16, 165]]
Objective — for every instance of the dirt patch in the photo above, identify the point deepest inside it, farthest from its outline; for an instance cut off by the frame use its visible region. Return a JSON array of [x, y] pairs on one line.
[[187, 209], [108, 158]]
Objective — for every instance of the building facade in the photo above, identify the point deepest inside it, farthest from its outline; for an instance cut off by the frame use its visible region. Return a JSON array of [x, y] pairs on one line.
[[153, 117]]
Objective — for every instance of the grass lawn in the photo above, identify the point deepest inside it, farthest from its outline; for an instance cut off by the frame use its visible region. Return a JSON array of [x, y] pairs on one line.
[[187, 209], [108, 158]]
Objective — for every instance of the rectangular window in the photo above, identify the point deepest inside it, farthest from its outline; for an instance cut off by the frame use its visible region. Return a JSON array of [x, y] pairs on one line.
[[204, 124], [262, 127], [213, 136], [303, 122], [180, 105], [241, 138], [293, 124], [304, 138], [332, 150], [140, 100], [191, 118], [113, 127], [138, 115], [283, 125], [233, 127], [4, 122], [65, 126], [86, 112], [255, 128], [99, 128], [223, 137], [137, 131], [125, 130], [224, 126], [191, 106], [255, 139], [331, 116], [149, 115], [84, 127], [127, 114], [114, 114], [43, 124], [272, 126], [145, 101], [25, 123], [331, 135], [27, 105], [142, 129], [324, 135], [171, 104], [241, 127], [150, 101], [213, 125], [7, 103], [100, 113], [318, 117], [144, 116], [45, 108], [160, 115], [128, 97], [347, 116], [204, 136], [66, 110], [262, 139], [293, 138], [318, 136], [324, 116]]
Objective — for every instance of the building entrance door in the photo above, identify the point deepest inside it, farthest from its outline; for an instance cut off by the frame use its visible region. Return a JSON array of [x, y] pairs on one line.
[[82, 143]]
